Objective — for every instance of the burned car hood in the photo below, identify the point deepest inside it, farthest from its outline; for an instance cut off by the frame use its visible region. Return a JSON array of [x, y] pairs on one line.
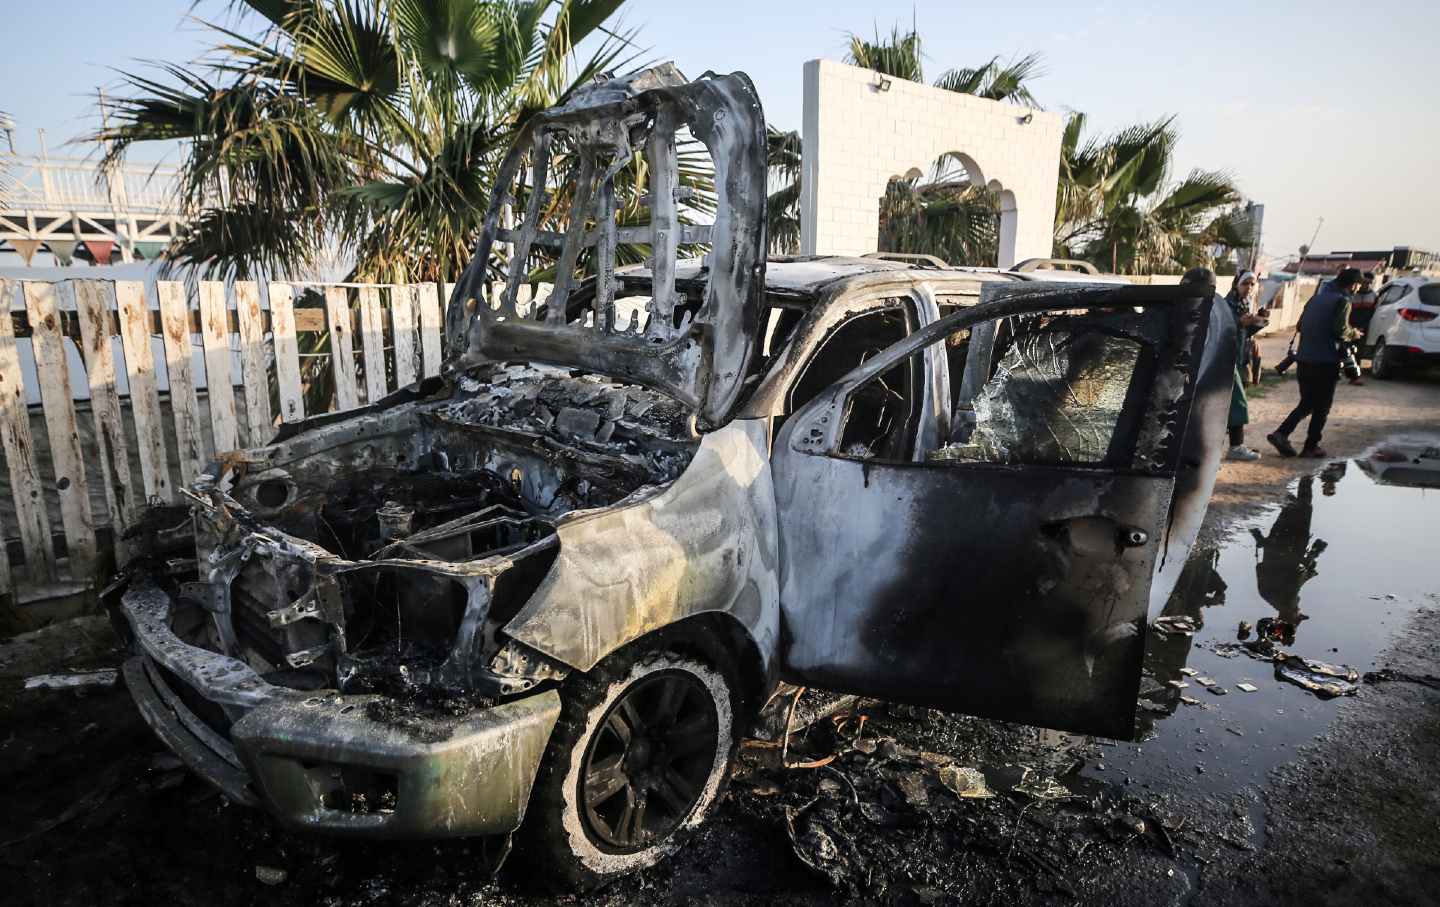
[[698, 340]]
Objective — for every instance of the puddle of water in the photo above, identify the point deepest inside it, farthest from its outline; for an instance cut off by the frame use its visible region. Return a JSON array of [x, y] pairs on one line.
[[1345, 558]]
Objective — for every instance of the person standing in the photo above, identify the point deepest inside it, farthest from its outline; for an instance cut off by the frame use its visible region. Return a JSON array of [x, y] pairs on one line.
[[1324, 329], [1240, 297]]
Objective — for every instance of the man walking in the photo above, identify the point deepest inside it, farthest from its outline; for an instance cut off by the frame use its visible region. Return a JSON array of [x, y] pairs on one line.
[[1324, 327]]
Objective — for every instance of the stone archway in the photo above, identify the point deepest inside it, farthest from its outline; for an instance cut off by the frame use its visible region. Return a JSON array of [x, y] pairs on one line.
[[860, 129], [947, 209]]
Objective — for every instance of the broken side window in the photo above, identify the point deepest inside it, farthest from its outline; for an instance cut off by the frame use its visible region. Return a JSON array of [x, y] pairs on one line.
[[1057, 393], [881, 415], [849, 346]]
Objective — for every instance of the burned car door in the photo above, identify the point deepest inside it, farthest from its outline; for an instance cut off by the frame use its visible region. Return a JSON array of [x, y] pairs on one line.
[[1004, 572]]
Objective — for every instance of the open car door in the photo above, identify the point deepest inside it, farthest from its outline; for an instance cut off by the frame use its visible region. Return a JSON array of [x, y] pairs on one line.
[[1006, 571]]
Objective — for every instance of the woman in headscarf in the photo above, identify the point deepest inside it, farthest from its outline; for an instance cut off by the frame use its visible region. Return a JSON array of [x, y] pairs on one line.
[[1242, 299]]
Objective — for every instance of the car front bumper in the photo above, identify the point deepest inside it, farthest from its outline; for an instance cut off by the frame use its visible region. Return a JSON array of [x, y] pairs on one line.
[[317, 760]]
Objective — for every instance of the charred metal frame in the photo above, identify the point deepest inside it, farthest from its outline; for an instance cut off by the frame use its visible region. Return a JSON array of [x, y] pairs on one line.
[[702, 358], [705, 536]]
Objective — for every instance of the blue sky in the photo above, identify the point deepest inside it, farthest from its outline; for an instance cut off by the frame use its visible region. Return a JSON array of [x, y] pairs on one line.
[[1318, 109]]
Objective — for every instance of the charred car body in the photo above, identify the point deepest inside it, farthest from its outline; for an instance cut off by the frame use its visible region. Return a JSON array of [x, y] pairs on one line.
[[557, 583]]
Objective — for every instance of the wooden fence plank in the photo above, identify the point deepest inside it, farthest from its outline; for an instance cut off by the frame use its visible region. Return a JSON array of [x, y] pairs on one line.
[[259, 426], [53, 373], [93, 301], [5, 585], [447, 291], [25, 483], [144, 392], [184, 405], [287, 354], [372, 342], [342, 349], [402, 315], [429, 329], [215, 334]]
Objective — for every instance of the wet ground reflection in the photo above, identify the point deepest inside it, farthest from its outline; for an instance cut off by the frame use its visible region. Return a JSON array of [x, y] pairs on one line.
[[1330, 574]]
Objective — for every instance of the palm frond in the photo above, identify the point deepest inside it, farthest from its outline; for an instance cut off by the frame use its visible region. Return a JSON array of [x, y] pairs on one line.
[[898, 55]]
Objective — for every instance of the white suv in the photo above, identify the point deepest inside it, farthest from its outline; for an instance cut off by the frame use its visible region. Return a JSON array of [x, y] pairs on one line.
[[1405, 330]]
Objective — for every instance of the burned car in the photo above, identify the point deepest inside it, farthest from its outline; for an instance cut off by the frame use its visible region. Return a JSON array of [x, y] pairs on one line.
[[557, 583]]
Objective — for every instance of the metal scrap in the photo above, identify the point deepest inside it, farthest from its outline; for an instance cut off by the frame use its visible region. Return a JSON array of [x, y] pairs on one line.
[[1321, 678]]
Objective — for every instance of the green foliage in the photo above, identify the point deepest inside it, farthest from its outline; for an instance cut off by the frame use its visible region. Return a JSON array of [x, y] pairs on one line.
[[1118, 207], [373, 124], [942, 215]]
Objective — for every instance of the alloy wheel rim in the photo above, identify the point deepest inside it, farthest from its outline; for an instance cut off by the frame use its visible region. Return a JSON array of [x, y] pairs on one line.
[[648, 761]]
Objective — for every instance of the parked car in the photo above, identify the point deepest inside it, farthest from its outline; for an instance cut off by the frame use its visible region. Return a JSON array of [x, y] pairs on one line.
[[1412, 462], [556, 584], [1404, 331]]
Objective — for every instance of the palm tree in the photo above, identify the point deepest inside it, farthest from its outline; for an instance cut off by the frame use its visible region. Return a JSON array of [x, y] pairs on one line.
[[782, 208], [1117, 206], [900, 56], [942, 214], [379, 122], [916, 215]]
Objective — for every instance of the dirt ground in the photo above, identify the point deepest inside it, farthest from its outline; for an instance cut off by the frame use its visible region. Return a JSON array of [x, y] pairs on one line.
[[1362, 416], [1337, 808]]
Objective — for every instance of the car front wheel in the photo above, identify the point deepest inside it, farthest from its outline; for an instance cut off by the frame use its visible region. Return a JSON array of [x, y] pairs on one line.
[[641, 752]]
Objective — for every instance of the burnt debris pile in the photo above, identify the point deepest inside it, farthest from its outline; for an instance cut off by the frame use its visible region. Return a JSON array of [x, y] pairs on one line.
[[880, 818]]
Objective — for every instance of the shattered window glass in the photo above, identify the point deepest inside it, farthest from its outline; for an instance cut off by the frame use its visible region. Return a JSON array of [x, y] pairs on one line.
[[1055, 396]]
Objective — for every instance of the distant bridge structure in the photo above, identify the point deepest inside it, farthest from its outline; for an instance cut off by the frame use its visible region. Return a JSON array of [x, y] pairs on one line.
[[63, 205]]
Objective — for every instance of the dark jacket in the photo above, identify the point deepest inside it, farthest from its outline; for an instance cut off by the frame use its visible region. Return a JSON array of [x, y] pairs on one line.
[[1322, 326]]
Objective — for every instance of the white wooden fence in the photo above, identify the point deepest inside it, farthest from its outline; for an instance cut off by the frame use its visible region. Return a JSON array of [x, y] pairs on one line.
[[241, 348]]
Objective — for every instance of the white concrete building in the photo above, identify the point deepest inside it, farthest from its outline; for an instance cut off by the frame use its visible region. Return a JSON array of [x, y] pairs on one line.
[[861, 129]]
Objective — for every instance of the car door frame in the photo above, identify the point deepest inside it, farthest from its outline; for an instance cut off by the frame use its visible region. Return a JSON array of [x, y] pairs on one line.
[[817, 642]]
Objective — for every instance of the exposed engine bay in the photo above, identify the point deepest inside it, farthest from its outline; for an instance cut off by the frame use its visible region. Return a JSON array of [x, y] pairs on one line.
[[384, 552]]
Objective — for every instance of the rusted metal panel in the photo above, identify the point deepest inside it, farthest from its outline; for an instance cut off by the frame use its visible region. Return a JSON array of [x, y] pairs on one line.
[[220, 390], [184, 404], [53, 373], [287, 353], [342, 349], [144, 391], [254, 363], [25, 483], [94, 300]]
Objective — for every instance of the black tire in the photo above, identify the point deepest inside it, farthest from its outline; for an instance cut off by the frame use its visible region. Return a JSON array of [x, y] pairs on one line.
[[1382, 364], [579, 837]]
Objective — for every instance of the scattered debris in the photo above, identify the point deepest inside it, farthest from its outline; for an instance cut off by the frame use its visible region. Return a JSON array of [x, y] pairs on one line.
[[1177, 684], [1246, 687], [1205, 681], [1324, 680], [105, 677], [1390, 675], [1131, 824], [1243, 631], [1217, 690], [271, 875], [964, 782], [1177, 624], [1038, 786], [1189, 672], [1276, 630]]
